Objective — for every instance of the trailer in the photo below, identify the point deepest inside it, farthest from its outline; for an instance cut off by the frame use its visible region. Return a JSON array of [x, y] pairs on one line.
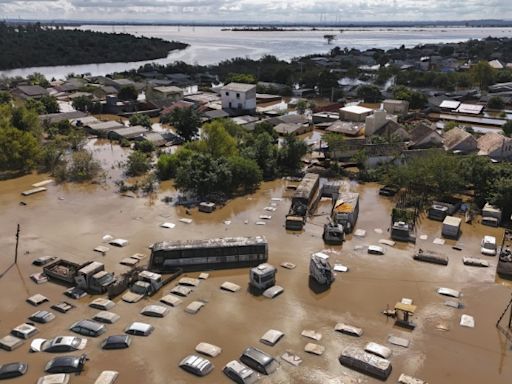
[[446, 207], [346, 210], [303, 201]]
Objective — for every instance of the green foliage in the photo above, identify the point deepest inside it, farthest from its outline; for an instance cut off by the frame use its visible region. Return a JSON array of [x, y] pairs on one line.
[[203, 175], [446, 50], [26, 120], [144, 146], [140, 119], [416, 99], [507, 128], [482, 74], [245, 173], [5, 97], [44, 105], [38, 79], [128, 92], [500, 194], [167, 164], [301, 106], [86, 104], [335, 142], [186, 121], [36, 106], [83, 167], [246, 78], [24, 45], [496, 102], [261, 148], [19, 150], [369, 93], [138, 164], [217, 141], [290, 154], [450, 125]]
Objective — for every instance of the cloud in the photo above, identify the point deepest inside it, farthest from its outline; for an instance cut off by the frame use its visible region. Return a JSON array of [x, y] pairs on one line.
[[257, 10]]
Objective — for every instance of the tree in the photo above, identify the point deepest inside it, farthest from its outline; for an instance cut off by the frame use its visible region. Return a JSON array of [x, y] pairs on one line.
[[167, 165], [26, 120], [5, 97], [19, 150], [140, 119], [291, 153], [261, 149], [416, 99], [50, 104], [446, 50], [128, 92], [144, 146], [336, 144], [301, 106], [203, 175], [482, 74], [496, 102], [217, 141], [507, 128], [38, 79], [186, 121], [501, 194], [83, 167], [246, 78], [369, 93], [245, 173], [138, 164]]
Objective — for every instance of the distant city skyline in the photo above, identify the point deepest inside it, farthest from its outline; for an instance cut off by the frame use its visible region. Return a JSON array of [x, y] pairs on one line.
[[264, 11]]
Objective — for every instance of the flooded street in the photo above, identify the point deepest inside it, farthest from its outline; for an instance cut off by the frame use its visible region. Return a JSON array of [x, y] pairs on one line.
[[68, 221]]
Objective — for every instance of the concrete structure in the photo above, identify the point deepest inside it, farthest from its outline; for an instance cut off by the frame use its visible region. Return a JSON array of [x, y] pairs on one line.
[[290, 129], [457, 139], [398, 107], [355, 113], [239, 98], [378, 120], [346, 128], [495, 145], [166, 93]]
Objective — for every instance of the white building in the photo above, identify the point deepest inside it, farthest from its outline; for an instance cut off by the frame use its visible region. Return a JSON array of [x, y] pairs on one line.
[[239, 98], [355, 113]]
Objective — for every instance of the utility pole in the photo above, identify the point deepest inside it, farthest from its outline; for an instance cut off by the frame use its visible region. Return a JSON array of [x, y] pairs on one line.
[[17, 242]]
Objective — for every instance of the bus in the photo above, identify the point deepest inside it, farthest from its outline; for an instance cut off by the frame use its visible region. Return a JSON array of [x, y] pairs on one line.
[[197, 255]]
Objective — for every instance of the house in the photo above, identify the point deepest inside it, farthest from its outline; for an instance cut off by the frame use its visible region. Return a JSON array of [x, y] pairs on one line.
[[471, 109], [495, 145], [127, 133], [382, 124], [398, 107], [392, 131], [53, 118], [348, 128], [355, 113], [165, 93], [101, 128], [284, 129], [425, 135], [496, 64], [239, 98], [29, 92], [457, 139], [449, 105], [214, 114]]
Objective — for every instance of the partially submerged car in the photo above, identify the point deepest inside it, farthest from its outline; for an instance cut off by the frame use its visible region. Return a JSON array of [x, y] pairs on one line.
[[66, 364], [194, 307], [196, 365], [37, 299], [43, 260], [88, 328], [102, 304], [116, 342], [348, 329], [119, 242], [259, 361], [240, 373], [63, 307], [137, 292], [375, 250], [42, 317], [273, 292], [208, 349], [57, 378], [449, 292], [59, 344], [107, 377], [106, 317], [155, 311], [11, 370], [378, 350], [139, 329], [24, 331], [488, 246], [271, 337]]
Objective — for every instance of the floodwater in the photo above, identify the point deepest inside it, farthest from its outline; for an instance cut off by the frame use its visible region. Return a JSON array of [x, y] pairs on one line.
[[210, 45], [69, 221]]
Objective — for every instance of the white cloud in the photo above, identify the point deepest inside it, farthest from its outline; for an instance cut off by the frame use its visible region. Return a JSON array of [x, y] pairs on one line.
[[258, 10]]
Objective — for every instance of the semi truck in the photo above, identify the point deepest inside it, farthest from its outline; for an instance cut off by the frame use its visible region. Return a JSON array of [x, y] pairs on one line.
[[303, 200], [346, 210]]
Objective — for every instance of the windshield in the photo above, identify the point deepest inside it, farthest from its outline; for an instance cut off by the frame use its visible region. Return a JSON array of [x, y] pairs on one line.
[[140, 289], [105, 280], [490, 246]]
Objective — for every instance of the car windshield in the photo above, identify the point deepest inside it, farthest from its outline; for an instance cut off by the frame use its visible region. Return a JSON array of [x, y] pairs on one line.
[[139, 289], [489, 246]]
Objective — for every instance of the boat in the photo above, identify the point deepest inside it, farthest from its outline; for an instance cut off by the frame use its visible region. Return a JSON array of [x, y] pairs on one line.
[[430, 257]]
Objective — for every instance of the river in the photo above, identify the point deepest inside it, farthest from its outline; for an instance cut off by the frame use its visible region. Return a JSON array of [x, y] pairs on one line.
[[210, 45]]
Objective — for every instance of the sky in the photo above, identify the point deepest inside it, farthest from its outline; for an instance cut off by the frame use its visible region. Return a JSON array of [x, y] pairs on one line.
[[257, 10]]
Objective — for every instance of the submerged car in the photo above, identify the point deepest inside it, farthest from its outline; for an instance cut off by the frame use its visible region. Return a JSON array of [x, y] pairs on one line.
[[240, 373], [66, 364], [259, 361], [57, 378], [375, 250], [488, 246], [137, 292], [88, 328], [59, 344], [11, 370], [24, 331], [139, 329], [116, 342], [42, 317], [196, 365]]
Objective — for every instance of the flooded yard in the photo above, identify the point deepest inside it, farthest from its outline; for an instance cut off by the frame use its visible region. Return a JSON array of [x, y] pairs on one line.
[[69, 221]]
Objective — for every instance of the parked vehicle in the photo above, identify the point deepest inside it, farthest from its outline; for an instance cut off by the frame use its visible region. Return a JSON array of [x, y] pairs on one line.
[[107, 377], [262, 277], [66, 364], [273, 292], [320, 270], [451, 227], [56, 378], [206, 207], [196, 365], [116, 342], [333, 233], [155, 311], [488, 246], [491, 215], [59, 344], [447, 207], [139, 329], [259, 361], [401, 231], [375, 250], [43, 260], [388, 190], [12, 370], [88, 328], [42, 317], [24, 331], [240, 373], [303, 200]]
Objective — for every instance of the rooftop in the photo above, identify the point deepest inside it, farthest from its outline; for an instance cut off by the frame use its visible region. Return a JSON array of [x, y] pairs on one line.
[[356, 109], [239, 87]]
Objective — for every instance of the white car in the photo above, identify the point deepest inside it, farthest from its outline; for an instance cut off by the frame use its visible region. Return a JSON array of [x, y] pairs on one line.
[[375, 250], [59, 344], [488, 246]]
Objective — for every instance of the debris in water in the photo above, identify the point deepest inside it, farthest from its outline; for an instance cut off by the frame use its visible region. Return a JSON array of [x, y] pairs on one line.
[[360, 233], [288, 265], [291, 358], [438, 241], [311, 334], [340, 268], [467, 321], [186, 221], [400, 341], [168, 225], [315, 349], [424, 237]]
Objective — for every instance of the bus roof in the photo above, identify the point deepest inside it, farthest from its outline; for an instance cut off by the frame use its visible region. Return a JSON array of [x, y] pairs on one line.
[[209, 243]]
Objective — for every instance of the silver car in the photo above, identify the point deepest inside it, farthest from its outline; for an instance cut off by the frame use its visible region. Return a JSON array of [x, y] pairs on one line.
[[59, 344], [196, 365]]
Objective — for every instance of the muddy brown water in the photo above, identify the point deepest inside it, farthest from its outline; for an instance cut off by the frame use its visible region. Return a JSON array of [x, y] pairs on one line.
[[68, 221]]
